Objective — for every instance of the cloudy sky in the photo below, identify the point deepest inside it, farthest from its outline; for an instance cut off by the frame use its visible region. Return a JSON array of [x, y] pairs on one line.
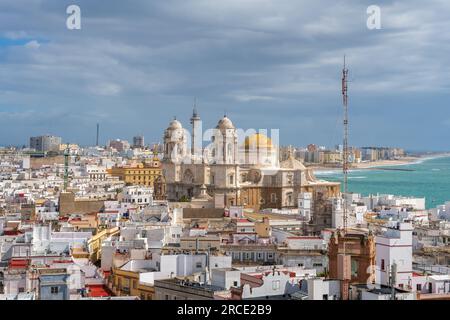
[[269, 63]]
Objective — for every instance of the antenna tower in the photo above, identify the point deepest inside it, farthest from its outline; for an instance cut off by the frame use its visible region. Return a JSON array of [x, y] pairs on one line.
[[345, 144]]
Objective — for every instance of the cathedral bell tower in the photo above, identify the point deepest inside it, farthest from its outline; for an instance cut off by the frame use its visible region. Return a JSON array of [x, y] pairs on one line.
[[196, 135]]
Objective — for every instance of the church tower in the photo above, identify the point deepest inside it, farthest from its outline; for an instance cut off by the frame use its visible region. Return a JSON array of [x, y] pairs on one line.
[[174, 142], [226, 141], [196, 135]]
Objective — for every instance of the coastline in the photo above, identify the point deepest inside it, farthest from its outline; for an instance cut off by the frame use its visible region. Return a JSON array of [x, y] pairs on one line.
[[381, 163]]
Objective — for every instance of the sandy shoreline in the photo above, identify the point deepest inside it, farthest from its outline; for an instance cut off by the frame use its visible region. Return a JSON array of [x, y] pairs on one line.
[[381, 163]]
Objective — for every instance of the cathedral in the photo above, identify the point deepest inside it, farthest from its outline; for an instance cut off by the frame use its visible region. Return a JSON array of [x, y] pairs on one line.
[[235, 169]]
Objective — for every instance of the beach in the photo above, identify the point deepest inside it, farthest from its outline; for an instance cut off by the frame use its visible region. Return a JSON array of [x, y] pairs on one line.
[[380, 163], [427, 176]]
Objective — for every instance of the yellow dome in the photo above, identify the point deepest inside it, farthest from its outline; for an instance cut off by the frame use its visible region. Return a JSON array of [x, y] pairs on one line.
[[258, 141]]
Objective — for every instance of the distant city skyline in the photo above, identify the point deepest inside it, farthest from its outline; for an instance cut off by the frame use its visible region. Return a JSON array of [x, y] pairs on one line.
[[269, 66]]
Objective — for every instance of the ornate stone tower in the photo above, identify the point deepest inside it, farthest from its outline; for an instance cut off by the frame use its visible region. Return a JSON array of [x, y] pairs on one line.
[[196, 136], [226, 141], [174, 142]]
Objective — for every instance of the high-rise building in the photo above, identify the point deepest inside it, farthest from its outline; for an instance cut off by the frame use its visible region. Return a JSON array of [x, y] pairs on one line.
[[119, 145], [138, 141], [45, 143]]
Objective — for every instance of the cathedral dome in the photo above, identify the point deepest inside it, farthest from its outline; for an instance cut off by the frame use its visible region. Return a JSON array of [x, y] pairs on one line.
[[225, 123], [258, 141], [292, 163], [175, 124]]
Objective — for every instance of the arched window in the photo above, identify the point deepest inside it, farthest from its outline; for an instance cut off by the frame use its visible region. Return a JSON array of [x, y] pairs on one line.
[[289, 198], [188, 176], [231, 179]]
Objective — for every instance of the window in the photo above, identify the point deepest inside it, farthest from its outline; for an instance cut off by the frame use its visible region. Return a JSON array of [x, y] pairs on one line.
[[126, 286], [355, 266], [276, 284], [198, 265], [419, 287], [382, 264], [231, 179], [289, 179], [54, 290], [289, 198], [317, 265], [235, 283], [273, 197]]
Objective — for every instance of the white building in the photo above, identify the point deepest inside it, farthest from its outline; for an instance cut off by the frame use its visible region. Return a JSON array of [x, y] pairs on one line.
[[274, 282], [323, 289], [441, 211], [46, 241], [379, 292], [305, 205], [395, 246], [138, 195], [183, 265], [94, 172], [373, 201]]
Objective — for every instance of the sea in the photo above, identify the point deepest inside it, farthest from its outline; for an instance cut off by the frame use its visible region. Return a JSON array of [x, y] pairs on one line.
[[427, 177]]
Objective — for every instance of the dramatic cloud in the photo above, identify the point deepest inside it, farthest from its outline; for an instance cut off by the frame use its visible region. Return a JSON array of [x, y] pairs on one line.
[[267, 63]]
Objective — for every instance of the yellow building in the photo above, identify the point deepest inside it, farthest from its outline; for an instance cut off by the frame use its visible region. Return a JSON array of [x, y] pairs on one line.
[[72, 147], [330, 156], [126, 283], [144, 173], [95, 242]]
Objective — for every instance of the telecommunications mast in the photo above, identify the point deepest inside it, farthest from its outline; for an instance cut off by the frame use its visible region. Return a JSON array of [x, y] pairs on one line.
[[345, 152]]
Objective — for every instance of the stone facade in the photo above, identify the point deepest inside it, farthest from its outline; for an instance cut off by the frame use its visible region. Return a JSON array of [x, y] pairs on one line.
[[247, 174]]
